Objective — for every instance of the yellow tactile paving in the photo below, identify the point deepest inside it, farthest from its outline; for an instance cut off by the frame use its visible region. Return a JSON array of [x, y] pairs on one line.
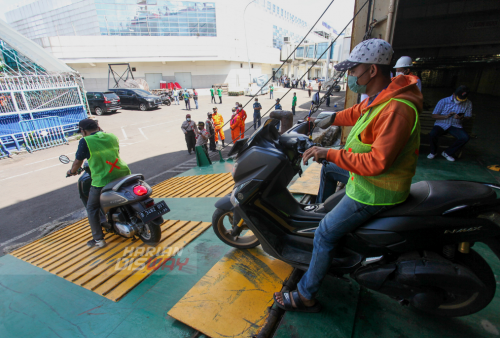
[[212, 185], [232, 298], [111, 271]]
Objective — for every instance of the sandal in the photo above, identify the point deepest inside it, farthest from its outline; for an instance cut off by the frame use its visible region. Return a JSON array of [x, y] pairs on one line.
[[301, 307]]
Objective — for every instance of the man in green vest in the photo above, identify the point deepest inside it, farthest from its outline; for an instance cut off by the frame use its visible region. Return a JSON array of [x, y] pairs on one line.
[[102, 153], [212, 93], [219, 92], [377, 162]]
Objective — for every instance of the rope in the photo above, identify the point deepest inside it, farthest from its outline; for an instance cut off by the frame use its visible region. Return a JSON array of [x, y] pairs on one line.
[[314, 108]]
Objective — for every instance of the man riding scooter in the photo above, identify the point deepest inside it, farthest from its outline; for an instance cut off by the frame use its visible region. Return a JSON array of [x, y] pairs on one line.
[[102, 153], [380, 159]]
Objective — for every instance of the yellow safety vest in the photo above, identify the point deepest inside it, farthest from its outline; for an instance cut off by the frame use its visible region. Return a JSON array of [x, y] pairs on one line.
[[393, 186]]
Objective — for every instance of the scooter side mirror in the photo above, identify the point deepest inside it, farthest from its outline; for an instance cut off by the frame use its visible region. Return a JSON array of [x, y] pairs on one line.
[[64, 159], [326, 122]]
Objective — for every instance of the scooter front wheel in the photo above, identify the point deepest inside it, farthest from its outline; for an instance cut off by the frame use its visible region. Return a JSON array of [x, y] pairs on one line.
[[151, 233], [222, 223]]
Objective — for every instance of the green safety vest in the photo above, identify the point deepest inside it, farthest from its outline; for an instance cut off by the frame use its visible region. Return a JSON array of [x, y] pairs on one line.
[[104, 162], [393, 186]]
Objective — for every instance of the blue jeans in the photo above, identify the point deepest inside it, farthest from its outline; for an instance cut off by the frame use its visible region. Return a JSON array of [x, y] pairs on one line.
[[343, 219], [176, 99], [271, 95], [330, 175], [460, 134], [196, 102], [256, 120]]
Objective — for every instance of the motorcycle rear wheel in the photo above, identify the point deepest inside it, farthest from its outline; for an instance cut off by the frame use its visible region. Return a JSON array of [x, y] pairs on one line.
[[167, 103], [459, 306], [151, 235], [245, 241]]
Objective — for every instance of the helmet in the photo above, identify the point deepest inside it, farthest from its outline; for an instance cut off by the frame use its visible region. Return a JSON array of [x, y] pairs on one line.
[[209, 114], [404, 62], [188, 115]]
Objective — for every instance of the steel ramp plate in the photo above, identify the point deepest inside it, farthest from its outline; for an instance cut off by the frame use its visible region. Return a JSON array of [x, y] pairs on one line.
[[113, 270], [212, 185], [231, 300], [309, 182]]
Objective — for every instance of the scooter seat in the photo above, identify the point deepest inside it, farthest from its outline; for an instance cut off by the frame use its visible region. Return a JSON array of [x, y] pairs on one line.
[[430, 198], [121, 181]]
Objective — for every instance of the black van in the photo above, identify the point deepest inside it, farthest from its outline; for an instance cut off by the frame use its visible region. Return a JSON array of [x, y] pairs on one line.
[[137, 98], [103, 102]]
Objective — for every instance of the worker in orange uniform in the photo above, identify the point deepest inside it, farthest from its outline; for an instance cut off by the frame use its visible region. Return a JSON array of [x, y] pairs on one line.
[[243, 118], [235, 125], [218, 123]]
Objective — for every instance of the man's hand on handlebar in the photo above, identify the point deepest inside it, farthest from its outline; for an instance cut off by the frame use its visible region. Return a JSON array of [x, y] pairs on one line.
[[317, 153]]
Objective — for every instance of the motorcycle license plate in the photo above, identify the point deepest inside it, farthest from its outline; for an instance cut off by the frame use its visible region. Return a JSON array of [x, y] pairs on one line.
[[153, 212]]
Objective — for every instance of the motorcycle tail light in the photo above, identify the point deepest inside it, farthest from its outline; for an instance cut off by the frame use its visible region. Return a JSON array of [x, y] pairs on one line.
[[140, 190]]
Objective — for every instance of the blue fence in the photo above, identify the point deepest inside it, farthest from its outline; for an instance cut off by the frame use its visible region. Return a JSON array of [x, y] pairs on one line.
[[43, 133], [3, 150], [14, 137]]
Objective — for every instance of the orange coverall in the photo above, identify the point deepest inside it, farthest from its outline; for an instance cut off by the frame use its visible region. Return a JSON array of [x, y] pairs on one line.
[[235, 124], [218, 123], [243, 118]]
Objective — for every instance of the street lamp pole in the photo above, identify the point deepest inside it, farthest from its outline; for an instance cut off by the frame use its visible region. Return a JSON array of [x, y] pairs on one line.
[[246, 39]]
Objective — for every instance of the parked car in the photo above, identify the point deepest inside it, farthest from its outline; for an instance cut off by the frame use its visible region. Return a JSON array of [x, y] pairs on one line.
[[137, 98], [103, 102]]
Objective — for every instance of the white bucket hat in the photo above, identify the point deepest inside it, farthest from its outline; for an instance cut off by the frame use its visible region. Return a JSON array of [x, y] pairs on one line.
[[372, 51]]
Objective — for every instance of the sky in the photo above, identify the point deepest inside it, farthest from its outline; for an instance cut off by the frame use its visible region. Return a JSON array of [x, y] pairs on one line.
[[339, 14]]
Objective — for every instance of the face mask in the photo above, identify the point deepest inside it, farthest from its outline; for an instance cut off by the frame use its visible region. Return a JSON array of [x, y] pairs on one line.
[[200, 128], [456, 101], [188, 119], [399, 73], [352, 82]]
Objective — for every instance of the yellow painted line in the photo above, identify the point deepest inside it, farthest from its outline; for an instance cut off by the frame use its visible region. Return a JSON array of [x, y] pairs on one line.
[[62, 246], [84, 256], [123, 264], [224, 183], [138, 276], [177, 241], [45, 241], [232, 298], [172, 185], [65, 254], [54, 246], [215, 184], [98, 269], [211, 185], [223, 190]]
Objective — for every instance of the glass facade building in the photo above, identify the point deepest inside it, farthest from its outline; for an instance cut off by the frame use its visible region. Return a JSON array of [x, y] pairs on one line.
[[156, 18]]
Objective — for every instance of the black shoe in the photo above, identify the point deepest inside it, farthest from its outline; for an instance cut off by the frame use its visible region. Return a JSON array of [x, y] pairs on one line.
[[93, 243], [189, 152]]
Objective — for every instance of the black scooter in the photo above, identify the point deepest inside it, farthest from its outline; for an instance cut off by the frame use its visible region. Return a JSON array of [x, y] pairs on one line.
[[126, 208], [166, 99], [418, 253]]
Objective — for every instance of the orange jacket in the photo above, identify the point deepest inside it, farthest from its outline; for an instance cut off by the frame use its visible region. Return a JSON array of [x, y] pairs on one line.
[[235, 121], [218, 121], [243, 115], [388, 132]]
